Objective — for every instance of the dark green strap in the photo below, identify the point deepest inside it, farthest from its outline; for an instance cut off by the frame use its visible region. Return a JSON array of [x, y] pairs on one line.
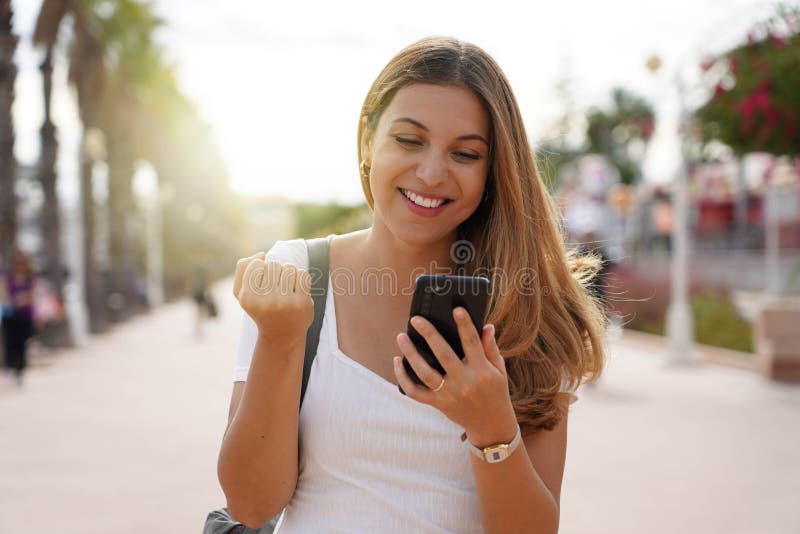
[[318, 266]]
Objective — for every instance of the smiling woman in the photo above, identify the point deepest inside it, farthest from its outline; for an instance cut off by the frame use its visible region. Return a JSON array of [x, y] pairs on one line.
[[445, 163]]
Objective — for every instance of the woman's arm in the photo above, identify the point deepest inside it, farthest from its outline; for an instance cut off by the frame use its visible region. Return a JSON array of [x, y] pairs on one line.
[[523, 492], [257, 464]]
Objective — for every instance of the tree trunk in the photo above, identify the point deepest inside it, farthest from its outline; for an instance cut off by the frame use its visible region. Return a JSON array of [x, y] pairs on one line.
[[95, 301], [88, 75], [122, 246], [58, 334], [8, 165]]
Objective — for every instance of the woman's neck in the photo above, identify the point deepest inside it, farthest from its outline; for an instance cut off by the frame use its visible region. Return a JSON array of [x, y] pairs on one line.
[[382, 249]]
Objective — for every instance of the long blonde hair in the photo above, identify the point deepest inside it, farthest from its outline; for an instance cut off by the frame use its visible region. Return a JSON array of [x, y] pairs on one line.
[[548, 327]]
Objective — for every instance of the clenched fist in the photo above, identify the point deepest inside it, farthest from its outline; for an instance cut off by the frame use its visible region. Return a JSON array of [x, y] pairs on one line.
[[276, 296]]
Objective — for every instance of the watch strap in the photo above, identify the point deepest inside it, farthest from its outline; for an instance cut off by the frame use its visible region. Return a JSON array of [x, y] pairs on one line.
[[494, 453]]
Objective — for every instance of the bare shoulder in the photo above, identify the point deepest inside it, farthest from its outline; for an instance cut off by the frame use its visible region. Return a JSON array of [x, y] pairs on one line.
[[345, 248], [350, 241], [547, 450]]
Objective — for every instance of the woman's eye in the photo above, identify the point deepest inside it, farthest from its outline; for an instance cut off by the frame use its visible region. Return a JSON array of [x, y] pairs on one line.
[[467, 155], [407, 141]]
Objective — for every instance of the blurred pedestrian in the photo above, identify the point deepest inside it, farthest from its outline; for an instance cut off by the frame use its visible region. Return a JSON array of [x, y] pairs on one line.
[[663, 219], [204, 302], [16, 294]]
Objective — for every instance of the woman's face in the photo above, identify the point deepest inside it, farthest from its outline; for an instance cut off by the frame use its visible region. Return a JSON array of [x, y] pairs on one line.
[[429, 158]]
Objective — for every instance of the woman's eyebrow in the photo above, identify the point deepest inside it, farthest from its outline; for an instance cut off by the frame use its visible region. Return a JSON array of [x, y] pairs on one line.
[[421, 126]]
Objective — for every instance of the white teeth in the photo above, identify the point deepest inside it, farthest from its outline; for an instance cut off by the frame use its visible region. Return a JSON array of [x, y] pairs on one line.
[[422, 201]]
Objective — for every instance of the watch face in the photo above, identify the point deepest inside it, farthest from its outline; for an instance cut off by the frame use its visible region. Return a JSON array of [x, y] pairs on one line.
[[495, 455]]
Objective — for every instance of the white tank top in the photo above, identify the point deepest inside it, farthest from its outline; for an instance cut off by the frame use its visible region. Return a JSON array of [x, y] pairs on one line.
[[370, 458]]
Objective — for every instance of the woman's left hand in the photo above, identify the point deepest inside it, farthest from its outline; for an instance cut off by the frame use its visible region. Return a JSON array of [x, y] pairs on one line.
[[475, 390]]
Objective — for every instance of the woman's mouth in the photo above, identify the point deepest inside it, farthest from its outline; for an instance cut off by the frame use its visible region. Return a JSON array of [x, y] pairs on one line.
[[422, 205], [423, 201]]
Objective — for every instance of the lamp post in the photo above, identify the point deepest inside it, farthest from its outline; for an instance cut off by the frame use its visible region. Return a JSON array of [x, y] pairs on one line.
[[680, 329]]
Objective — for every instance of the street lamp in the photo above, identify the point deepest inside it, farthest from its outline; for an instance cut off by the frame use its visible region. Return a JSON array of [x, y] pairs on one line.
[[680, 329]]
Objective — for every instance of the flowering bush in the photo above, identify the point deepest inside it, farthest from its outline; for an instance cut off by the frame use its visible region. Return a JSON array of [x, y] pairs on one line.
[[755, 103]]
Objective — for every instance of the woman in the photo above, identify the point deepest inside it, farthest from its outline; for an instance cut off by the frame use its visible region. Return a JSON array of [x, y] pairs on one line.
[[16, 293], [444, 161]]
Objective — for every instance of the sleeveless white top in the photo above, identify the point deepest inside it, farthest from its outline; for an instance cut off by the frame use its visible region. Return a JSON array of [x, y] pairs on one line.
[[370, 458]]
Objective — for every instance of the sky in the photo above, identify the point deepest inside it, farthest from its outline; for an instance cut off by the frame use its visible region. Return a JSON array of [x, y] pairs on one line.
[[282, 83]]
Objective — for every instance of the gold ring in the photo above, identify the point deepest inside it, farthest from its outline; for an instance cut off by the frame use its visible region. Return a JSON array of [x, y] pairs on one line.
[[440, 386]]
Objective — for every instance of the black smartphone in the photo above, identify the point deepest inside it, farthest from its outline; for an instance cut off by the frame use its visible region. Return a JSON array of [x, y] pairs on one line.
[[435, 297]]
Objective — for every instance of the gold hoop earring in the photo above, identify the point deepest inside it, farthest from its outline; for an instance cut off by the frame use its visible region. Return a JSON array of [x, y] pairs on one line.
[[364, 168]]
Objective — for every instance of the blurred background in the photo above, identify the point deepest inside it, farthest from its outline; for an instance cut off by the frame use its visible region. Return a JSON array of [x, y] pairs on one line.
[[146, 145]]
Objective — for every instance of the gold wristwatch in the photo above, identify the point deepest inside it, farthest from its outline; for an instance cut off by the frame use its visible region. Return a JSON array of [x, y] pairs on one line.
[[494, 453]]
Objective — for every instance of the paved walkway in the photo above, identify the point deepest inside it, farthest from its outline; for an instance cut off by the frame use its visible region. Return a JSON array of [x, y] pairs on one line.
[[122, 436], [703, 449]]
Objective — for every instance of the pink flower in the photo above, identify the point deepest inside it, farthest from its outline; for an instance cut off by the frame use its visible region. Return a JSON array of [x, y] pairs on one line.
[[647, 129], [778, 42], [758, 100], [790, 129]]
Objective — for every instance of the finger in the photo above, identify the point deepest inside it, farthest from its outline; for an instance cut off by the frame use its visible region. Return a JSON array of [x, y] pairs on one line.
[[303, 281], [241, 266], [492, 350], [429, 376], [272, 276], [288, 279], [444, 353], [470, 339], [411, 388], [253, 278]]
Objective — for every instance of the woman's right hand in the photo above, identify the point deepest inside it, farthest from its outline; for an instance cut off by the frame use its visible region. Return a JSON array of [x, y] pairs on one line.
[[276, 296]]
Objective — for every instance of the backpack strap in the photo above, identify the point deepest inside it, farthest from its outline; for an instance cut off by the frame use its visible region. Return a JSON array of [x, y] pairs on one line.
[[318, 266]]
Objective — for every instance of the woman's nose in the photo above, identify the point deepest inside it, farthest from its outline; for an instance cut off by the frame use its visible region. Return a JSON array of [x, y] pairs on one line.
[[432, 169]]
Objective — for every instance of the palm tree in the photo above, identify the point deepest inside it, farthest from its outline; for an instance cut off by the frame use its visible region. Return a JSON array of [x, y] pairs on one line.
[[8, 165], [45, 34], [101, 103], [87, 73], [51, 237], [129, 26], [126, 91], [616, 132]]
